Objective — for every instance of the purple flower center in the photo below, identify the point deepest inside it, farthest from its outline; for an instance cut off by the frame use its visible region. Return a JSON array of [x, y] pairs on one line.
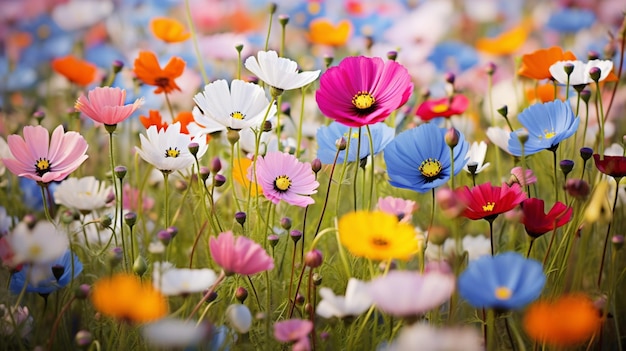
[[42, 166]]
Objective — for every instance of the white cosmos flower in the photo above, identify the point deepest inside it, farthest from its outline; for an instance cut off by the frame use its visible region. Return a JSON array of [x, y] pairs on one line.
[[580, 74], [437, 339], [476, 247], [209, 126], [79, 14], [500, 137], [239, 317], [181, 281], [174, 333], [168, 150], [476, 154], [41, 244], [356, 301], [279, 72], [84, 194], [241, 106]]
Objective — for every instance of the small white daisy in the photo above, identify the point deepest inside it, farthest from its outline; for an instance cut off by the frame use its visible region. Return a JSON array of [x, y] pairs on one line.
[[41, 244], [279, 72], [355, 302], [84, 194]]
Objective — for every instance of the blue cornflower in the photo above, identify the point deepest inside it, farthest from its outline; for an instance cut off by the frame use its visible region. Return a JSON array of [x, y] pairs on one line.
[[547, 125], [327, 137], [506, 281], [419, 158], [453, 56], [571, 20], [54, 276]]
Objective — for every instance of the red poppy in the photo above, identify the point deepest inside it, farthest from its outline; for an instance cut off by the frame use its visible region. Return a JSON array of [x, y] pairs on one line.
[[615, 166], [444, 107], [537, 223], [486, 201]]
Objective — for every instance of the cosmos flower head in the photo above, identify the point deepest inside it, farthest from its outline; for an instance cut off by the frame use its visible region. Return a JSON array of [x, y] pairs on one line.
[[149, 71], [443, 107], [106, 105], [45, 278], [84, 194], [239, 254], [580, 74], [537, 223], [536, 65], [486, 201], [279, 72], [614, 166], [355, 301]]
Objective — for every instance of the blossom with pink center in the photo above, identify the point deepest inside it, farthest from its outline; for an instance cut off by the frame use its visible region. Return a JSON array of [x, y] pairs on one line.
[[363, 90], [399, 207], [43, 158], [283, 177], [293, 330], [106, 105], [239, 255]]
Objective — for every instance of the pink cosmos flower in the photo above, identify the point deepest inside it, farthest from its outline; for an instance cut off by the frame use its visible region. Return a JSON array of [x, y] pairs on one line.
[[41, 158], [444, 107], [398, 207], [363, 90], [523, 178], [239, 255], [294, 330], [106, 105], [283, 177]]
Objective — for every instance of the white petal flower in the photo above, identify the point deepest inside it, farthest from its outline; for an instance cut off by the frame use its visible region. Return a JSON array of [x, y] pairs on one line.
[[437, 339], [208, 127], [15, 317], [500, 137], [476, 246], [41, 244], [174, 281], [580, 74], [79, 14], [239, 317], [356, 301], [476, 154], [5, 152], [83, 194], [174, 333], [167, 150], [279, 72], [241, 106]]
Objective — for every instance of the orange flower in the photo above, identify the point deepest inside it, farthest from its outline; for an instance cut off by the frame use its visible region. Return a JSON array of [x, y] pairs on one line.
[[169, 30], [155, 119], [125, 297], [240, 175], [149, 71], [570, 320], [77, 71], [323, 32], [536, 65], [542, 93], [506, 43]]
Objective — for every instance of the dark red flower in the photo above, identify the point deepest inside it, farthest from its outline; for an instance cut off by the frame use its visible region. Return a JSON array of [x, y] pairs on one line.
[[615, 166], [444, 107], [537, 222], [486, 201]]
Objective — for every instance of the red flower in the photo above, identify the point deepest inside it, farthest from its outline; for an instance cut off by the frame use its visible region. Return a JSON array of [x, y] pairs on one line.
[[444, 107], [615, 166], [486, 201], [537, 223]]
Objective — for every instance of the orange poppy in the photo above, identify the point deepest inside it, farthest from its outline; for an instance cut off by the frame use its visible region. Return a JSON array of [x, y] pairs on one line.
[[505, 43], [77, 71], [324, 32], [169, 30], [149, 71], [154, 119], [536, 65]]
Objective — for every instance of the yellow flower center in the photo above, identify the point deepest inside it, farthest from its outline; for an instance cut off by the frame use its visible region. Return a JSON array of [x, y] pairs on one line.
[[34, 251], [282, 183], [354, 135], [172, 152], [489, 206], [237, 115], [42, 166], [439, 108], [549, 135], [380, 242], [503, 293], [430, 168], [363, 100]]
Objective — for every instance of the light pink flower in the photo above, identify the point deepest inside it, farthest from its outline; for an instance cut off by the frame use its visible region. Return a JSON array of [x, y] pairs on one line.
[[523, 178], [106, 105], [399, 207], [45, 159], [293, 330], [239, 255], [283, 177]]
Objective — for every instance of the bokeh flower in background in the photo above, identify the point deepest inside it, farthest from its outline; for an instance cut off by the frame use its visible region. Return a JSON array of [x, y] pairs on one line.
[[169, 30], [149, 71], [239, 255], [84, 194]]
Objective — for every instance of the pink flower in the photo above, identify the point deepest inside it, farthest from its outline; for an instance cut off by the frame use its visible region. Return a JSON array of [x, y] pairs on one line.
[[363, 90], [239, 255], [283, 177], [444, 107], [294, 330], [131, 200], [40, 158], [523, 178], [398, 207], [106, 105]]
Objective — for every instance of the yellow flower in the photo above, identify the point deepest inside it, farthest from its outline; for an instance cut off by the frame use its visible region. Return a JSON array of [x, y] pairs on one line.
[[240, 175], [125, 297], [506, 43], [377, 235]]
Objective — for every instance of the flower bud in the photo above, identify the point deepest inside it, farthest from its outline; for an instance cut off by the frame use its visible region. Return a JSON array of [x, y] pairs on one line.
[[204, 173], [193, 148], [273, 7], [593, 55], [130, 219], [617, 241], [283, 20], [522, 136], [239, 47], [449, 202], [240, 217], [172, 230], [57, 271], [295, 235], [273, 239], [164, 237], [504, 111], [341, 144], [595, 73], [239, 316], [216, 165], [577, 188], [585, 95], [67, 216], [267, 126], [180, 185], [241, 294], [117, 66], [232, 136], [449, 77], [491, 68], [452, 137], [120, 172], [300, 299], [105, 221], [212, 296], [313, 258], [115, 256], [30, 220], [219, 180], [316, 165], [140, 266], [317, 279], [82, 291], [83, 339], [285, 223], [392, 55], [39, 116], [568, 68], [472, 166], [328, 60], [586, 153], [566, 166], [276, 92], [437, 235]]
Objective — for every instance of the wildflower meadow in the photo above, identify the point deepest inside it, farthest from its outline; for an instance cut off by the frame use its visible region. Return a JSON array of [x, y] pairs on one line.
[[427, 175]]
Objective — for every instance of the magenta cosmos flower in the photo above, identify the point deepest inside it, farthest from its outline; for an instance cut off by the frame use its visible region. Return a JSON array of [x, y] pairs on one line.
[[283, 177], [363, 90], [45, 159], [239, 255], [294, 330], [106, 105]]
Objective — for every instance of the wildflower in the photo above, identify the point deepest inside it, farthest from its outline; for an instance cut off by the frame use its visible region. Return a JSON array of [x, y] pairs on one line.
[[41, 244], [77, 71], [419, 159], [377, 235], [239, 317], [181, 281], [125, 297], [44, 158], [168, 150], [84, 194], [401, 208], [506, 43], [580, 74], [570, 20], [240, 175], [476, 156], [324, 32], [475, 247], [453, 56], [243, 105], [443, 107], [239, 255], [279, 72], [486, 201], [536, 65], [282, 177], [293, 330], [356, 301], [537, 222], [327, 137], [173, 333], [431, 338], [148, 70], [614, 166], [363, 90], [410, 294], [185, 118], [15, 318], [169, 30], [106, 105], [569, 320], [45, 278], [523, 177], [547, 125], [499, 137], [505, 281]]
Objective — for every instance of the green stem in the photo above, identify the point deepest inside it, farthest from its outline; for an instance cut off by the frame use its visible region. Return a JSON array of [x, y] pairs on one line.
[[167, 202], [194, 40], [608, 231], [371, 141], [491, 330], [356, 171]]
